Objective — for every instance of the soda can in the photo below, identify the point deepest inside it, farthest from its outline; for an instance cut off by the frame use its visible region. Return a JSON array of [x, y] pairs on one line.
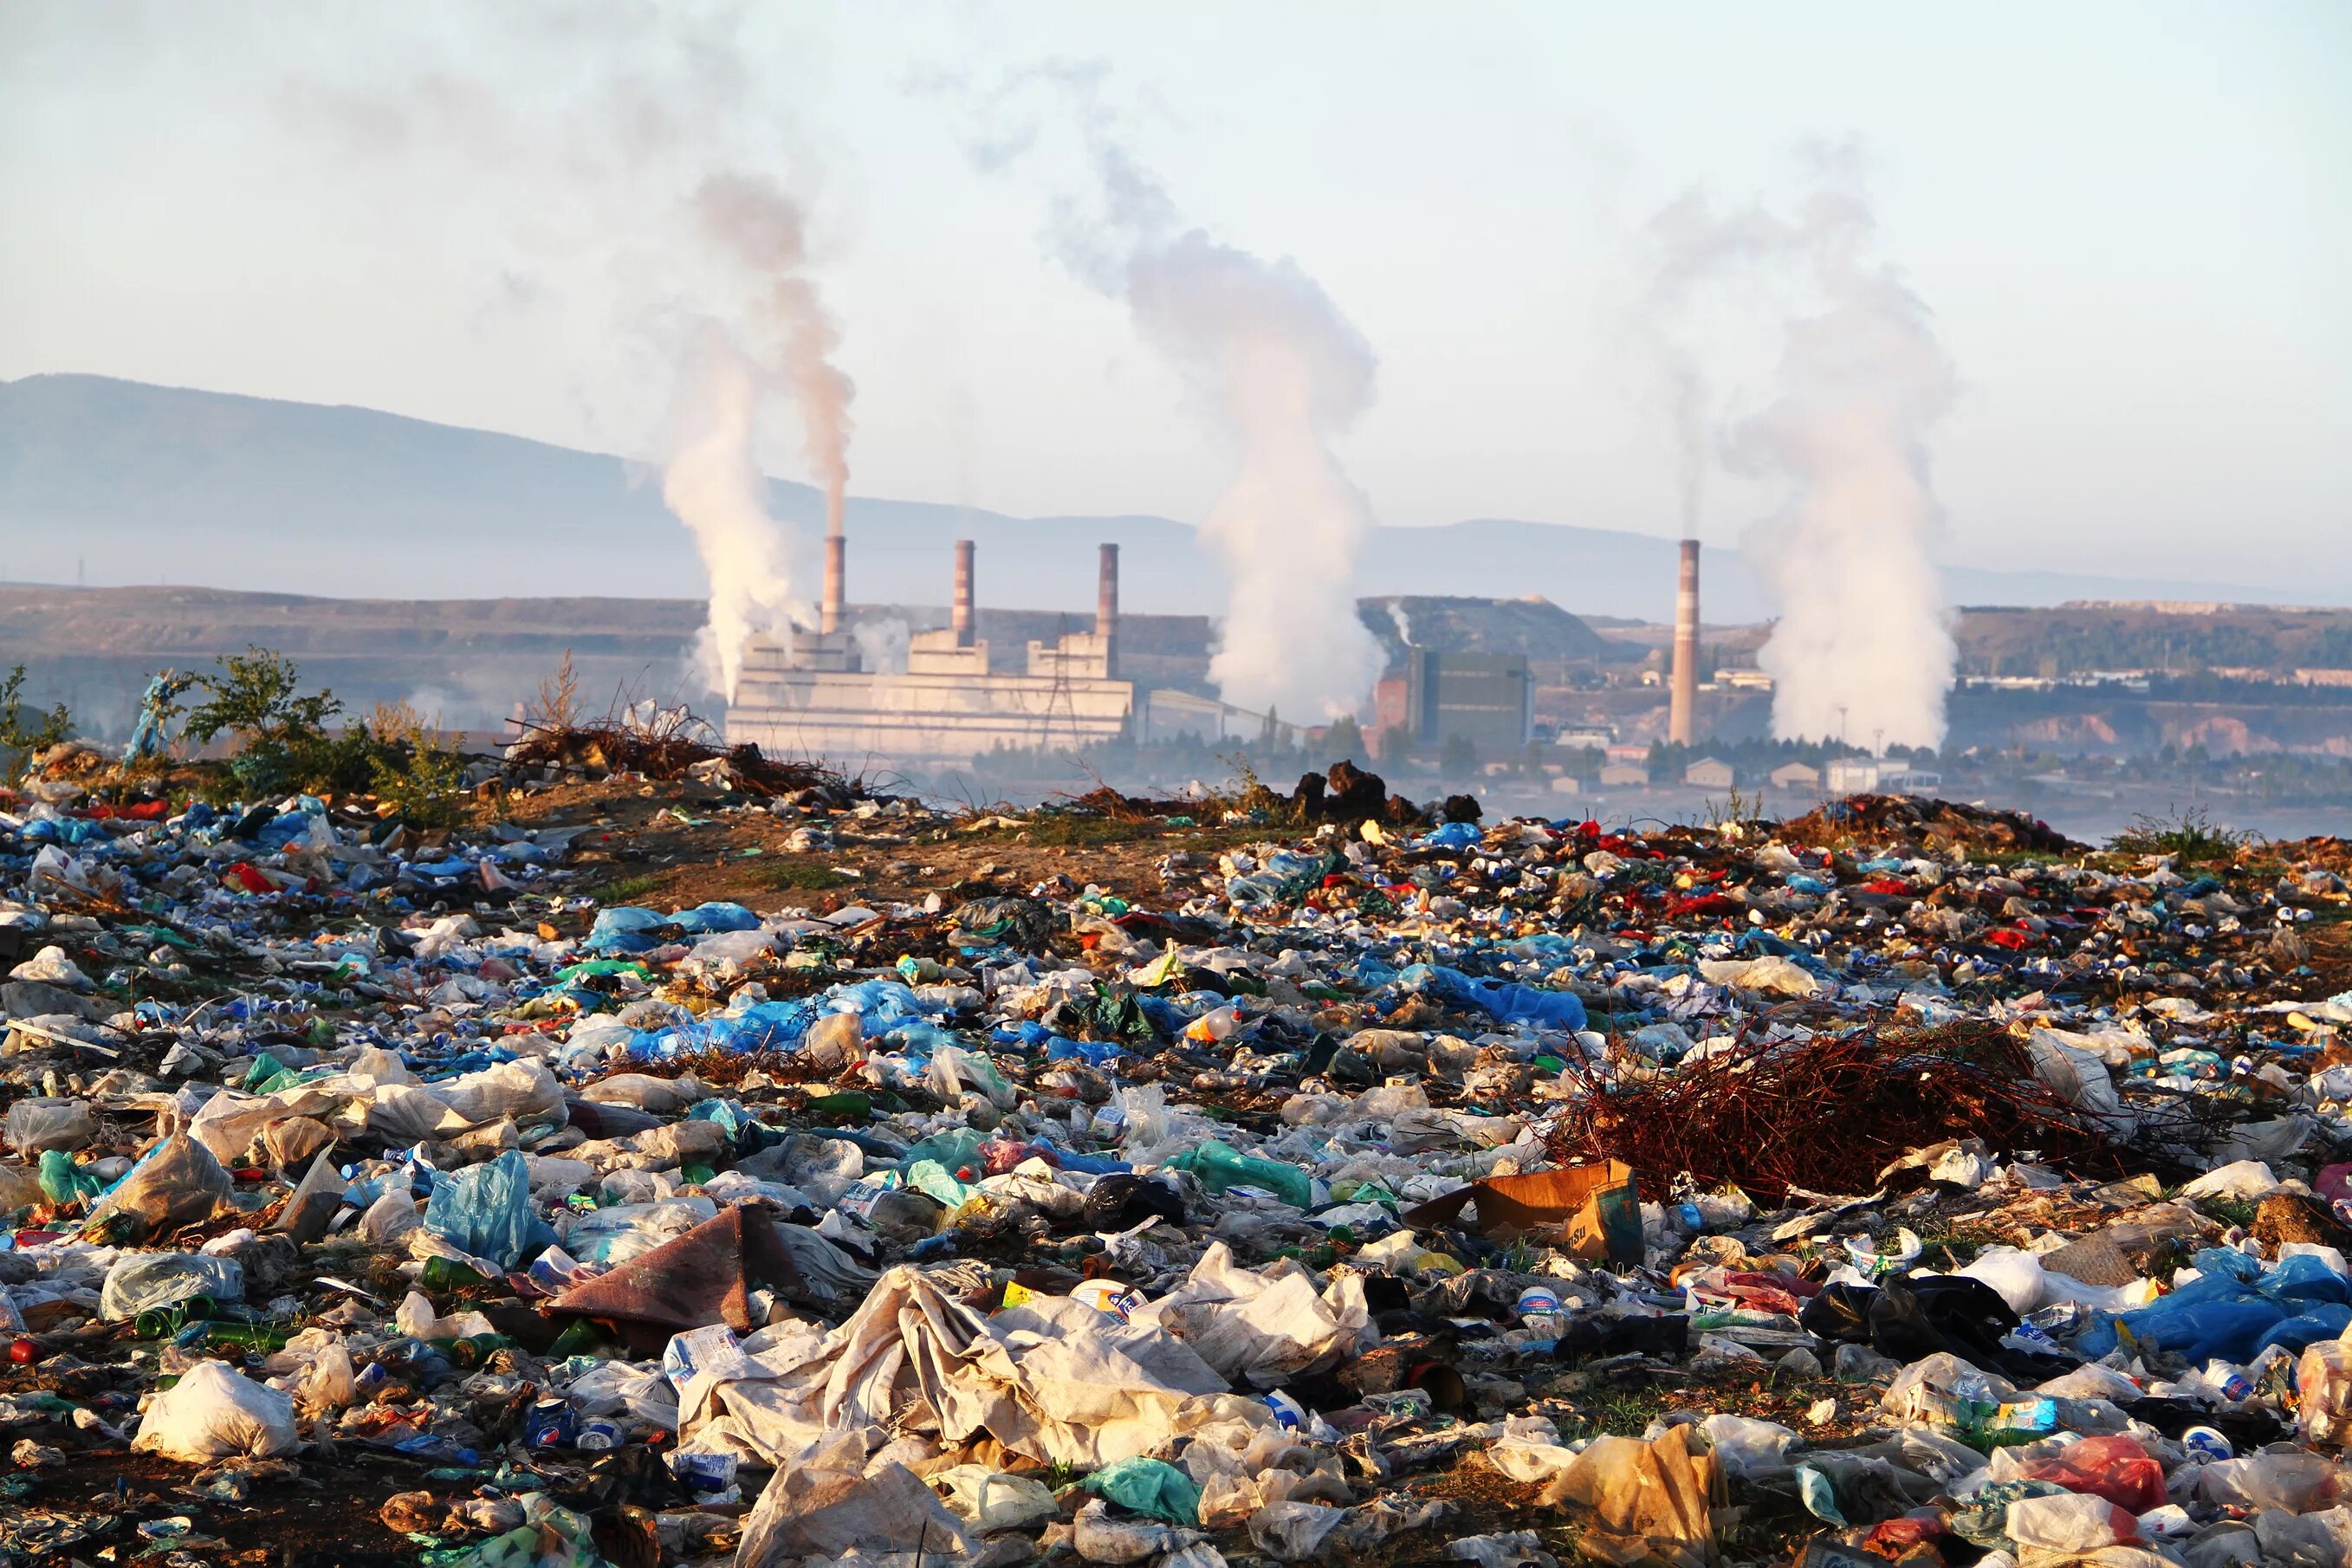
[[704, 1472], [1287, 1411], [2204, 1443], [598, 1434], [548, 1423]]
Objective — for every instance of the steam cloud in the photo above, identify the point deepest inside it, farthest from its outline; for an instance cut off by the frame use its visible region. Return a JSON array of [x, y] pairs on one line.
[[715, 487], [752, 219], [642, 126], [1271, 360], [1863, 650]]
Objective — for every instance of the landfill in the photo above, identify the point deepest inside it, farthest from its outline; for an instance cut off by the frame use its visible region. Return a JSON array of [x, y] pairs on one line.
[[1236, 1177]]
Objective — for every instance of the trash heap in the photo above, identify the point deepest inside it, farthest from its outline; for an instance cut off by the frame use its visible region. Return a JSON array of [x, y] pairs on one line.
[[1902, 1182]]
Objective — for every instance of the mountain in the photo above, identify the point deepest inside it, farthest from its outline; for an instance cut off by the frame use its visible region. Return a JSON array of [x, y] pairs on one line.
[[124, 482]]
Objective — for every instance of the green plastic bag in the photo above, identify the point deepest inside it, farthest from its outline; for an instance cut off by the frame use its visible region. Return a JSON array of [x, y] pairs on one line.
[[62, 1181], [1151, 1487], [1221, 1169]]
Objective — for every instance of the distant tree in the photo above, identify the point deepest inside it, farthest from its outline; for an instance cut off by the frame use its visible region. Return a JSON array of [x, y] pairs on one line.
[[26, 731], [1457, 758], [556, 706], [1344, 740]]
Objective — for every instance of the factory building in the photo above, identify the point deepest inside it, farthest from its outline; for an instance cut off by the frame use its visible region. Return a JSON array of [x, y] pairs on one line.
[[1487, 699], [808, 694]]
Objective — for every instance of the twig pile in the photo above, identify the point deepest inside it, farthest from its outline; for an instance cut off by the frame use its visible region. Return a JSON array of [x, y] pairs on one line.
[[663, 743], [1827, 1113]]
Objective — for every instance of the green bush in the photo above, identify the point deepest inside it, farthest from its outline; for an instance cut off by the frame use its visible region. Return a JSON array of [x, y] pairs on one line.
[[27, 730], [424, 784], [281, 731]]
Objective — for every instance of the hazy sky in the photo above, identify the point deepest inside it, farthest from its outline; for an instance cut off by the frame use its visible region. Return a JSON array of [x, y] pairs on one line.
[[2132, 221]]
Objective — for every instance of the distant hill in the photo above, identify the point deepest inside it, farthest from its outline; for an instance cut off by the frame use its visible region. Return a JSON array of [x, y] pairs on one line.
[[134, 483]]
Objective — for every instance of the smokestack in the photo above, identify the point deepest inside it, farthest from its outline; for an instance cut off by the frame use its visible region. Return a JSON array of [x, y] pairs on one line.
[[1106, 609], [1681, 711], [836, 559], [960, 612]]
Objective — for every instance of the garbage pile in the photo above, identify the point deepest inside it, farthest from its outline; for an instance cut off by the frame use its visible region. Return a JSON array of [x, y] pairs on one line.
[[1904, 1183]]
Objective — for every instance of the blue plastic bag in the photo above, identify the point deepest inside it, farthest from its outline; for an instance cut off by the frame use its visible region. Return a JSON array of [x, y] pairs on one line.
[[709, 919], [622, 928], [485, 1210], [1452, 836]]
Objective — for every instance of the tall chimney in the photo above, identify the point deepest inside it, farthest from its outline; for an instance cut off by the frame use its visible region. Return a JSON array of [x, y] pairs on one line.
[[1682, 716], [1106, 609], [835, 559], [960, 612]]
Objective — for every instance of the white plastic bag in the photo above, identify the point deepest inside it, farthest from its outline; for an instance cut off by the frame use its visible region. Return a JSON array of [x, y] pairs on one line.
[[39, 1125], [213, 1412], [140, 1281]]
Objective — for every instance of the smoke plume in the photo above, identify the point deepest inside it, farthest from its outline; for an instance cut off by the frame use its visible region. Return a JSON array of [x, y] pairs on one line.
[[1863, 648], [642, 152], [1280, 373], [715, 487], [751, 219]]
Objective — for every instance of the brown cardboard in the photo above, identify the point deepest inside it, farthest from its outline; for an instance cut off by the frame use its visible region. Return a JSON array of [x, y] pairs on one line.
[[1564, 1207]]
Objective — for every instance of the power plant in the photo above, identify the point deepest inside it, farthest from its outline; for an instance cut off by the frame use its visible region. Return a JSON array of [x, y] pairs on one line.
[[1681, 705], [804, 694]]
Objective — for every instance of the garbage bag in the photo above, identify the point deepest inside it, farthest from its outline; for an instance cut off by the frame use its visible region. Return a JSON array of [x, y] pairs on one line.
[[140, 1281], [35, 1125], [216, 1413], [989, 1500], [2323, 1386], [1221, 1168], [2114, 1468], [817, 1511], [485, 1210], [1150, 1487], [176, 1183], [63, 1182]]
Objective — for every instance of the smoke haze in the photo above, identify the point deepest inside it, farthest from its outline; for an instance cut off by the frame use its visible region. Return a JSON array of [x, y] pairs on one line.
[[647, 153], [1863, 649], [1277, 370], [716, 489]]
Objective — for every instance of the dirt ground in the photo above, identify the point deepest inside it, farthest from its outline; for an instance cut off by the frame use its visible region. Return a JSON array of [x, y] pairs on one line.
[[664, 844]]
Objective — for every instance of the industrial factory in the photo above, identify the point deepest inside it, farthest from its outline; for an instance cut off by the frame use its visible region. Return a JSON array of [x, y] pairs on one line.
[[837, 691], [811, 694]]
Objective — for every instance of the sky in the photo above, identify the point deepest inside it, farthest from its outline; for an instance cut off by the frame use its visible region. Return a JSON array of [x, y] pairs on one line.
[[2132, 223]]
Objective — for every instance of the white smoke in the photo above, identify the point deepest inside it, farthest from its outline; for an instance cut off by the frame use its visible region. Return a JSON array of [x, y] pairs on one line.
[[882, 645], [633, 178], [1863, 648], [1271, 361], [752, 219], [715, 487], [1404, 623], [1286, 374]]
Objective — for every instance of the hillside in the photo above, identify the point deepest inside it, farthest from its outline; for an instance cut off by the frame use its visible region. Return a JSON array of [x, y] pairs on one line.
[[123, 482]]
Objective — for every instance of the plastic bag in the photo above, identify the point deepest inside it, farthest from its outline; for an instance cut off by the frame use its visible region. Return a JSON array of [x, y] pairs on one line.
[[1221, 1169], [63, 1182], [215, 1412], [485, 1210], [1150, 1487], [2117, 1469], [34, 1125], [1743, 1448], [140, 1281], [2069, 1524], [2323, 1381], [176, 1183], [990, 1499]]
